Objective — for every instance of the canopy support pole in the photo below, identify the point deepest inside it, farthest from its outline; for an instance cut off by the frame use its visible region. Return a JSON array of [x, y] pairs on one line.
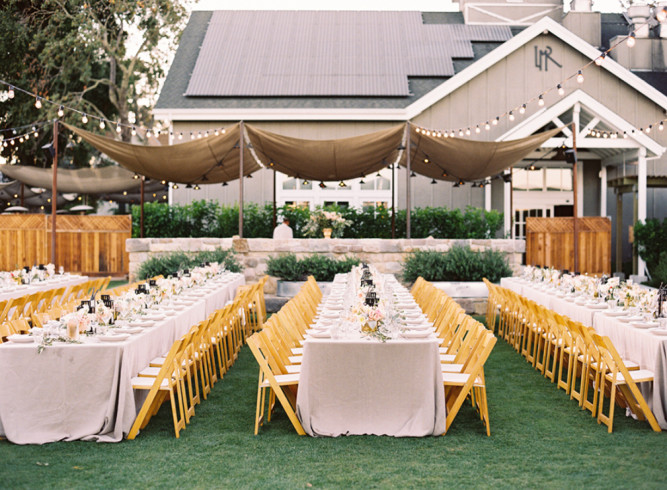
[[407, 182], [241, 179], [275, 221], [575, 212], [54, 192], [393, 200], [141, 217]]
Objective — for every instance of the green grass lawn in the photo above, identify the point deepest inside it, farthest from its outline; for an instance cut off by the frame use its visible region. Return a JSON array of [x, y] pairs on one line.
[[539, 438]]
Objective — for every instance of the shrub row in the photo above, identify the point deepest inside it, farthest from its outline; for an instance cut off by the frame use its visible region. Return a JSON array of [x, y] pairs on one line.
[[458, 264], [210, 219], [171, 263], [650, 240], [288, 267]]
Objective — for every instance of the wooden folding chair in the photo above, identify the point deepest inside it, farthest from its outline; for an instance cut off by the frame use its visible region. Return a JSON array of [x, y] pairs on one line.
[[167, 384], [276, 382], [458, 386], [616, 374]]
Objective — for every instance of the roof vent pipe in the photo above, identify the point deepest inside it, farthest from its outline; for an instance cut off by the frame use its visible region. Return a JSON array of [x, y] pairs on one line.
[[581, 5], [639, 15]]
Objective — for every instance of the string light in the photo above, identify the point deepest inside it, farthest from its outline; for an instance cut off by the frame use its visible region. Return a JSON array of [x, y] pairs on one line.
[[10, 92], [580, 77], [118, 128], [38, 103], [511, 116], [600, 59], [84, 118], [61, 111], [102, 125], [540, 101], [522, 110], [661, 15], [134, 131], [487, 126], [631, 39], [561, 91]]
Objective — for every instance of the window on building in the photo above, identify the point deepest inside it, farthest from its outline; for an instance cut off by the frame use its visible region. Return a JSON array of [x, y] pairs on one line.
[[289, 184]]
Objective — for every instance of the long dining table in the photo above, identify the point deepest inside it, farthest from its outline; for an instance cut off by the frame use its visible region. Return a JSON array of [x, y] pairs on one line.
[[358, 385], [645, 346], [83, 391], [58, 281]]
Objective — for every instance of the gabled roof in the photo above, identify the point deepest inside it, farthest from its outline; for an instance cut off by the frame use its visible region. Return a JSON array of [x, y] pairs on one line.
[[339, 60]]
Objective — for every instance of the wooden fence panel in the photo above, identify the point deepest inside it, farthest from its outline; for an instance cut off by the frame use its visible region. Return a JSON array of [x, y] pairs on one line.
[[550, 243], [91, 245]]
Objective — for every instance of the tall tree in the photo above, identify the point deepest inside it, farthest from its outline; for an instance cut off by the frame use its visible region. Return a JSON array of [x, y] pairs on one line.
[[103, 58]]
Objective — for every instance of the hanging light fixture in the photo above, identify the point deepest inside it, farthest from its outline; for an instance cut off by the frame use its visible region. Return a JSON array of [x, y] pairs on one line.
[[322, 185], [522, 109], [84, 118], [561, 90], [61, 111], [580, 77], [511, 116], [433, 181], [10, 92], [540, 101], [38, 102], [102, 125], [600, 59], [631, 40]]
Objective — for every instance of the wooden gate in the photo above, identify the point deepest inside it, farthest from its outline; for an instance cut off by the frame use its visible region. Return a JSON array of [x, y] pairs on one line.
[[90, 245], [550, 243]]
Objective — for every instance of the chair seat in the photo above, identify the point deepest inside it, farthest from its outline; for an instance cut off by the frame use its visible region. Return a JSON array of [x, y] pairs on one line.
[[283, 380], [297, 351], [142, 383], [452, 368], [631, 365], [293, 368], [157, 362], [295, 359], [459, 379], [150, 372], [447, 357], [638, 376]]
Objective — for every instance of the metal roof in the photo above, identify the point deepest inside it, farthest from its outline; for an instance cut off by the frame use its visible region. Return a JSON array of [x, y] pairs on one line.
[[327, 53]]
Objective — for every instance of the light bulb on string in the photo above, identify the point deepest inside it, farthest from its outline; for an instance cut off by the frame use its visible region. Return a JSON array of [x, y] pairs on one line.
[[496, 121], [661, 15], [511, 116], [522, 109], [10, 92], [580, 77], [180, 136], [217, 132], [38, 103], [661, 126], [102, 125], [118, 128], [631, 39], [452, 134], [468, 132], [561, 91], [460, 133], [84, 118], [540, 101], [487, 126], [61, 111], [477, 130], [648, 129], [148, 133], [134, 131], [600, 59]]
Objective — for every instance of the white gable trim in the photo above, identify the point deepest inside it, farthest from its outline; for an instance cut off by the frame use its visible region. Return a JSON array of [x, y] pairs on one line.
[[543, 26], [539, 119], [394, 115]]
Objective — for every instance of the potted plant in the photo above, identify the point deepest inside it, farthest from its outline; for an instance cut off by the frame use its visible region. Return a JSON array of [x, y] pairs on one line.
[[292, 271], [326, 223]]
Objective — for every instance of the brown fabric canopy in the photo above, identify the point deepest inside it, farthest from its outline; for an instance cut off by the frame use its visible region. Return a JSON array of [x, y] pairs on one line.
[[81, 181], [208, 160], [467, 159], [327, 160]]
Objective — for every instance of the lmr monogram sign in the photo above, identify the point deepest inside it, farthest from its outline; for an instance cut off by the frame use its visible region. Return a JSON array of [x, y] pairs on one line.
[[543, 57]]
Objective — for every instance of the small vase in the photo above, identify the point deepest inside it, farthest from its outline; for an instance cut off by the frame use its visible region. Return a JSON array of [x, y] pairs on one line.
[[327, 232]]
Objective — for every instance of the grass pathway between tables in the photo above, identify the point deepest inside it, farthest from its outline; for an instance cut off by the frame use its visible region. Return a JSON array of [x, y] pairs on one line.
[[539, 438]]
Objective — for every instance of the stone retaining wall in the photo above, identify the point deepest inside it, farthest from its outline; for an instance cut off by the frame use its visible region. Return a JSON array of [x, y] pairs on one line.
[[386, 254]]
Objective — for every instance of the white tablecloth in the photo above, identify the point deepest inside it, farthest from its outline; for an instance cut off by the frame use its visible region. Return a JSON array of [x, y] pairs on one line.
[[71, 391], [639, 345], [354, 387], [57, 282]]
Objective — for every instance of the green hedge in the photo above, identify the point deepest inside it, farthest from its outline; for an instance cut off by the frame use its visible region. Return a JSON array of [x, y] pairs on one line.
[[210, 219], [458, 264], [650, 240], [288, 268], [171, 263]]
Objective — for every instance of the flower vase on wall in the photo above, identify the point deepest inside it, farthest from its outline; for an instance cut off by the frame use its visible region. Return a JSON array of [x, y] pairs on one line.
[[327, 232]]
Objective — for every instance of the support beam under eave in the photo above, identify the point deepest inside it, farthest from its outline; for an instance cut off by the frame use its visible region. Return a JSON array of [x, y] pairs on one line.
[[641, 199], [507, 206]]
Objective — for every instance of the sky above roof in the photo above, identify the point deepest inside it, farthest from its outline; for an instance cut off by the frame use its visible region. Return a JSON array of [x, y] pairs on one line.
[[418, 5]]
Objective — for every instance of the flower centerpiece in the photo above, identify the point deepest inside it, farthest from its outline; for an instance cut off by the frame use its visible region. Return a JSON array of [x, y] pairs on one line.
[[325, 223]]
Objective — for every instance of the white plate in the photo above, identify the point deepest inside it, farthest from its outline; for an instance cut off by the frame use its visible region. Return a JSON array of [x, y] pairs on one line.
[[330, 314], [114, 338], [659, 331], [616, 313], [154, 317], [628, 319], [320, 334], [597, 306], [130, 330], [21, 339], [420, 326], [143, 324], [644, 324], [416, 334]]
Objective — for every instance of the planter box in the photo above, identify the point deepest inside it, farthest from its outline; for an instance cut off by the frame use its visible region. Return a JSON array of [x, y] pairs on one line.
[[463, 289], [289, 289]]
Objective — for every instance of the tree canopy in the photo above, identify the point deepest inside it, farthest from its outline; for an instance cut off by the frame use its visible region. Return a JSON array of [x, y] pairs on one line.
[[104, 59]]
